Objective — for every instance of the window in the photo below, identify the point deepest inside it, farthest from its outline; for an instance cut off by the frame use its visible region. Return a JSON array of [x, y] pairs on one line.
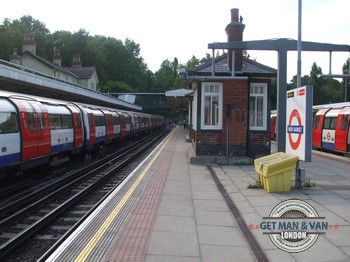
[[8, 123], [211, 106], [344, 122], [31, 121], [316, 122], [100, 120], [330, 123], [258, 106], [60, 121], [78, 116]]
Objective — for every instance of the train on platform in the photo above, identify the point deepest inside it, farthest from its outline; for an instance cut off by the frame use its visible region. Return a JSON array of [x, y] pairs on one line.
[[35, 130], [330, 128]]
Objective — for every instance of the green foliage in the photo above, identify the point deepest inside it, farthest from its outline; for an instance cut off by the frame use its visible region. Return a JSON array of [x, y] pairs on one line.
[[167, 76], [308, 183], [120, 66], [326, 90], [117, 87], [256, 185]]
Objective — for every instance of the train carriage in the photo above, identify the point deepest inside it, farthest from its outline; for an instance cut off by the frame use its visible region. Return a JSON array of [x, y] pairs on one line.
[[100, 126], [328, 129], [109, 125], [36, 130], [116, 125], [61, 126], [10, 137], [137, 122], [318, 127], [78, 127], [342, 134]]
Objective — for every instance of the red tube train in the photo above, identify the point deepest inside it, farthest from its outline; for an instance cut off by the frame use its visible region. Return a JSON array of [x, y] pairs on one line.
[[36, 130], [330, 129]]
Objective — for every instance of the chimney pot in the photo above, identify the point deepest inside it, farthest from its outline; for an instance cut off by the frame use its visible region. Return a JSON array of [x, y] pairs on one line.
[[234, 31], [234, 14]]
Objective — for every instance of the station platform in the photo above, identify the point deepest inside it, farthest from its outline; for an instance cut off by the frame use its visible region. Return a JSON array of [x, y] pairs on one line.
[[171, 210]]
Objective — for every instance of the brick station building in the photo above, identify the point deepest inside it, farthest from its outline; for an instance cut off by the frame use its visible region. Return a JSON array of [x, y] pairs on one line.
[[229, 113]]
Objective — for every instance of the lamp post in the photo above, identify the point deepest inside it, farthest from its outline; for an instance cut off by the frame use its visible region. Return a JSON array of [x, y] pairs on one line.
[[299, 45], [346, 79]]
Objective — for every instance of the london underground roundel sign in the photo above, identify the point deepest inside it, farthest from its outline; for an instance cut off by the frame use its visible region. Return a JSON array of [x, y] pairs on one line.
[[295, 129], [298, 122]]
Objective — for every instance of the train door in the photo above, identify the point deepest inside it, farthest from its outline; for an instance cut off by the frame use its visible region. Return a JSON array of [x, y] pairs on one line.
[[116, 125], [78, 127], [36, 136], [42, 128], [342, 131], [317, 127], [328, 131], [127, 123], [122, 125], [109, 125]]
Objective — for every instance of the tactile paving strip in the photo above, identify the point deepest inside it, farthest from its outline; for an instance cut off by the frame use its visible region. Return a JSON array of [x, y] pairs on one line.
[[132, 243]]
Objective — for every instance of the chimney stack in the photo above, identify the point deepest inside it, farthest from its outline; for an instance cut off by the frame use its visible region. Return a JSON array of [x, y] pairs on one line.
[[76, 61], [234, 31], [29, 43], [15, 58], [56, 58]]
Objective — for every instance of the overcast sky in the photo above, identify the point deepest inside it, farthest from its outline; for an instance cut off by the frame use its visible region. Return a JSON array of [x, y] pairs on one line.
[[167, 29]]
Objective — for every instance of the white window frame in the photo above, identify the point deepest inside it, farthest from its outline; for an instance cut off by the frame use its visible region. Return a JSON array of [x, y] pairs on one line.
[[212, 89], [258, 90]]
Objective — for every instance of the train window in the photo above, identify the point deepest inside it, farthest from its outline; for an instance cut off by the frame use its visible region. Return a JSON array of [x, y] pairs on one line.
[[31, 123], [8, 123], [116, 120], [333, 123], [55, 122], [67, 121], [90, 119], [78, 116], [316, 122], [100, 121], [330, 123], [41, 121], [344, 122]]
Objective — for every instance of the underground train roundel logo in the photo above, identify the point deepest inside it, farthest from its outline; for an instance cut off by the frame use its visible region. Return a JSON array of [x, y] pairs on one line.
[[295, 129]]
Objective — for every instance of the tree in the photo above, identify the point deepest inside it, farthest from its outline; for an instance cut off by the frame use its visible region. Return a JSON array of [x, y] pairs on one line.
[[346, 71], [12, 33], [117, 87], [326, 90], [167, 76]]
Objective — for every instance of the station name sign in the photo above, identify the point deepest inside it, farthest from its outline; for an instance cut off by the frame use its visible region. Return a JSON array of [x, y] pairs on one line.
[[299, 122]]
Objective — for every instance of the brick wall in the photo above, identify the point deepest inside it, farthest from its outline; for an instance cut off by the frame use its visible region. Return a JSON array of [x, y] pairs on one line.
[[259, 144], [214, 142]]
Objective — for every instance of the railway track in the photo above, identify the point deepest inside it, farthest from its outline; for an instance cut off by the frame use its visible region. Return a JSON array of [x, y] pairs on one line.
[[46, 215]]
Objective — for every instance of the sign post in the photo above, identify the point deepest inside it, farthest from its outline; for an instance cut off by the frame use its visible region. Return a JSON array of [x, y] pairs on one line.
[[299, 122]]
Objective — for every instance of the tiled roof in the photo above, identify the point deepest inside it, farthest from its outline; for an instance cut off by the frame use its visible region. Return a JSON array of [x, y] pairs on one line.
[[82, 72], [221, 67], [77, 72], [48, 63]]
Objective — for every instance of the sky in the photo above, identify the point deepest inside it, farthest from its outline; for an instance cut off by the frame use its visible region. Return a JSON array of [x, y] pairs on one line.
[[183, 28]]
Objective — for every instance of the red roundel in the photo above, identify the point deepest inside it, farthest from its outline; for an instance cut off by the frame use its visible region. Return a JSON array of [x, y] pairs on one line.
[[295, 144]]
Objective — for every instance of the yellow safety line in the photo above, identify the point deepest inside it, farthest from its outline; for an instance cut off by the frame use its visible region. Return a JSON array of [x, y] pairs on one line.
[[98, 235]]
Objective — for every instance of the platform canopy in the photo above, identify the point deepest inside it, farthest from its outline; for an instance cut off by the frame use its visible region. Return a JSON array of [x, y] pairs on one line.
[[178, 97]]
